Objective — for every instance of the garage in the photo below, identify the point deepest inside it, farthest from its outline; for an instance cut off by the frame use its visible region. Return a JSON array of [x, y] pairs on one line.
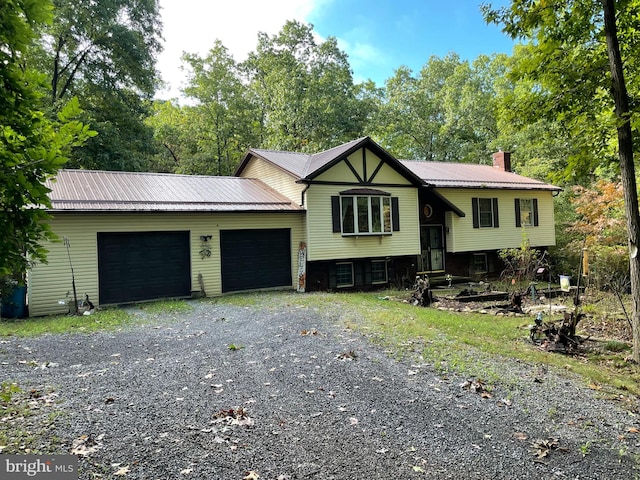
[[136, 266], [255, 259]]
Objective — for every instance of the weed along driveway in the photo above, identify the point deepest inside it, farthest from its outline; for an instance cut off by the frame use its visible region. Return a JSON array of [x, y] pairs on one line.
[[284, 386]]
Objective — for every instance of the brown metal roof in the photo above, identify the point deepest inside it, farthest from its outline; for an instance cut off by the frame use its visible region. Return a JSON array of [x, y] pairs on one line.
[[93, 190], [307, 166], [294, 163], [300, 165], [322, 159], [466, 175]]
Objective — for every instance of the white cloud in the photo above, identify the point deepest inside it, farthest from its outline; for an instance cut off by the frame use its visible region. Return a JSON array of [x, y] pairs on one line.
[[192, 26], [363, 56]]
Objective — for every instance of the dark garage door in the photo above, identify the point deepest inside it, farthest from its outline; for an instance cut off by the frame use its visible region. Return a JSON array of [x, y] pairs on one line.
[[255, 259], [134, 266]]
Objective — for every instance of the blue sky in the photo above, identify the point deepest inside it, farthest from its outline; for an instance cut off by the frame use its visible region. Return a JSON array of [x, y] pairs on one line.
[[382, 35], [378, 35]]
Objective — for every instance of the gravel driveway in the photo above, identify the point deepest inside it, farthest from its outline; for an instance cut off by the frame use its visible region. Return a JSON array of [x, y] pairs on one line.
[[303, 397]]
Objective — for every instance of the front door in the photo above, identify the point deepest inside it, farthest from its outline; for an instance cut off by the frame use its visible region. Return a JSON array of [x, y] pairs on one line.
[[432, 246]]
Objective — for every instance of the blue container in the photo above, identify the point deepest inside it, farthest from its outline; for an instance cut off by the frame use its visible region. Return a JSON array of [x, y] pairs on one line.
[[15, 305]]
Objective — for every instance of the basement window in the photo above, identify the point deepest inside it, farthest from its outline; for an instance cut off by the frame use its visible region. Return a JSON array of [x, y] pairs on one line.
[[344, 274], [378, 271], [480, 263]]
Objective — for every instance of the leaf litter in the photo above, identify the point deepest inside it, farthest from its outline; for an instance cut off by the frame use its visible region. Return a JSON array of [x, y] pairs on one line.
[[234, 416]]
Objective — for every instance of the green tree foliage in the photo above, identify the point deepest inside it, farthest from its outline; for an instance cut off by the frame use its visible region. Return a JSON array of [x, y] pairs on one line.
[[445, 113], [32, 147], [562, 82], [577, 60], [171, 131], [104, 53], [224, 120], [305, 91], [290, 94]]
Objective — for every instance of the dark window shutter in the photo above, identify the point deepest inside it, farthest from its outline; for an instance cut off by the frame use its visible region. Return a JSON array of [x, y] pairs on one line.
[[476, 214], [335, 214], [496, 222], [535, 212], [395, 214], [518, 219]]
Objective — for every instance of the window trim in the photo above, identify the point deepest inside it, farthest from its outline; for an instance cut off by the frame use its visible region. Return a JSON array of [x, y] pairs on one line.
[[495, 217], [391, 216], [534, 212], [386, 272], [345, 285], [486, 263]]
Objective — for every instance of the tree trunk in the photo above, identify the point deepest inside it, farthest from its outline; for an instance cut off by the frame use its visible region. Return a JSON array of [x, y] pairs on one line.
[[627, 169]]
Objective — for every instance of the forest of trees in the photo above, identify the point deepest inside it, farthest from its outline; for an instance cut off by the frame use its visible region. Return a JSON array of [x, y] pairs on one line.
[[79, 82]]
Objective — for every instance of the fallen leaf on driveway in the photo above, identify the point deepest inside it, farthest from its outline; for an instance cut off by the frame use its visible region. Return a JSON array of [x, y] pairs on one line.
[[541, 448], [186, 471], [122, 471], [353, 421], [350, 355], [520, 436], [234, 416], [477, 386], [251, 475], [84, 445]]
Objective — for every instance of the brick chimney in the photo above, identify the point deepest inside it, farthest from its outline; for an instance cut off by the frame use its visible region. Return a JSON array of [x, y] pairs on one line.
[[502, 160]]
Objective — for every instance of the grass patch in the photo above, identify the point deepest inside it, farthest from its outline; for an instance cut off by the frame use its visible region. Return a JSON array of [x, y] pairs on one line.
[[25, 426], [108, 319], [166, 306], [616, 346], [101, 320]]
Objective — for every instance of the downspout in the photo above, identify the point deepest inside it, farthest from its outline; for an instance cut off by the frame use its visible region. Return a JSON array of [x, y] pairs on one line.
[[302, 194]]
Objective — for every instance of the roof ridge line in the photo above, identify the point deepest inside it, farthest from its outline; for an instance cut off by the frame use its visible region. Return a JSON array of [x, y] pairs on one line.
[[164, 174]]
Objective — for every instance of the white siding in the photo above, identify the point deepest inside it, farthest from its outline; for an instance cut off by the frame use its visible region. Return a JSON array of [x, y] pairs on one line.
[[462, 237], [50, 282]]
